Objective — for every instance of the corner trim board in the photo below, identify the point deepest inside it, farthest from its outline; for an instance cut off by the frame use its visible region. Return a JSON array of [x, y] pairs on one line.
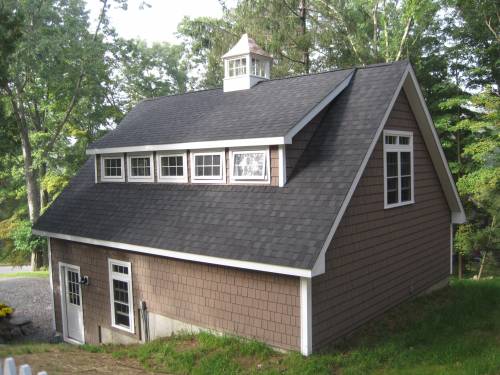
[[52, 301], [254, 266], [305, 316]]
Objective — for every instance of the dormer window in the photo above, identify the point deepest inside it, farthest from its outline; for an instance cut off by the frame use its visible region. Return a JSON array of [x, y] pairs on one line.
[[237, 67], [112, 168], [249, 165], [172, 167], [140, 168], [208, 167]]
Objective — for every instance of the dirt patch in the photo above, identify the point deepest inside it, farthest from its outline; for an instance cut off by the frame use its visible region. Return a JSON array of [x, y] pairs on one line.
[[59, 363]]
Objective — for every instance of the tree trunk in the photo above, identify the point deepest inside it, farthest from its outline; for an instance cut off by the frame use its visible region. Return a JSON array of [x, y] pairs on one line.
[[303, 30], [33, 191]]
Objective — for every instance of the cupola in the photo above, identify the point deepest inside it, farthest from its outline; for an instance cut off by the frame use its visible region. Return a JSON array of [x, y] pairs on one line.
[[245, 64]]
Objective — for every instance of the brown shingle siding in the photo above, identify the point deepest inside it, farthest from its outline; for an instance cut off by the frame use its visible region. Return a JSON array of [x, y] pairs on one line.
[[247, 303], [380, 257]]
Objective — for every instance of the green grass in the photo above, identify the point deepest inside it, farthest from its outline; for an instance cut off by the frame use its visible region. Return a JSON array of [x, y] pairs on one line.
[[24, 274], [453, 331]]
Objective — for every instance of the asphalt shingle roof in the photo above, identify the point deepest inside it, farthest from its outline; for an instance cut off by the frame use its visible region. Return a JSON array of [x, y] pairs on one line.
[[280, 226], [269, 109]]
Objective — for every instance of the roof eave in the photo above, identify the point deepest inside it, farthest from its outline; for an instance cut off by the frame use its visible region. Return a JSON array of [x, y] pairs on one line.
[[242, 264]]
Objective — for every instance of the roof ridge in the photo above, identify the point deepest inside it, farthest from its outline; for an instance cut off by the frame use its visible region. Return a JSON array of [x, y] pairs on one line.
[[354, 68]]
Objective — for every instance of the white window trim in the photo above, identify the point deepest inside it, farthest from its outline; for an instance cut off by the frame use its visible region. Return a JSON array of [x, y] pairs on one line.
[[127, 278], [208, 179], [398, 148], [250, 180], [105, 178], [177, 179], [131, 178]]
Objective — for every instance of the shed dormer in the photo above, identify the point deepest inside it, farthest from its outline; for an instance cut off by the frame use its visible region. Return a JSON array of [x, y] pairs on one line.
[[245, 64]]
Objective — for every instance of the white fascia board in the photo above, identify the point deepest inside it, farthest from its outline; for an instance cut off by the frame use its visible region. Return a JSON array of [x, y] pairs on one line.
[[318, 108], [254, 266], [431, 138], [319, 266], [192, 145], [305, 316]]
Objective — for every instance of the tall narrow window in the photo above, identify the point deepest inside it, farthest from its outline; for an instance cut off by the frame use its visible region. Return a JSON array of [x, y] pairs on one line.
[[398, 168], [112, 168], [120, 284], [140, 168]]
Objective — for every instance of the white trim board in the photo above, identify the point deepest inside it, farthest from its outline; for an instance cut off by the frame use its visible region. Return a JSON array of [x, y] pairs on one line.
[[409, 83], [305, 316], [52, 301], [191, 145], [254, 266]]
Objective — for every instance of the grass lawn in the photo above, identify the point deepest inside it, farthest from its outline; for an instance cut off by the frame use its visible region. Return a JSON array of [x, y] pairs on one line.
[[25, 274], [453, 331]]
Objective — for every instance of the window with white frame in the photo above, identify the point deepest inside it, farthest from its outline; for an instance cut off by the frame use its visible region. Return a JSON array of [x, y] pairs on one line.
[[112, 168], [250, 165], [258, 67], [208, 166], [140, 168], [120, 284], [398, 168], [172, 167], [237, 67]]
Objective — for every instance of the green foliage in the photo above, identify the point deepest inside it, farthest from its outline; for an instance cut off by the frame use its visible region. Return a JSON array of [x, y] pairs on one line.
[[453, 331], [25, 242]]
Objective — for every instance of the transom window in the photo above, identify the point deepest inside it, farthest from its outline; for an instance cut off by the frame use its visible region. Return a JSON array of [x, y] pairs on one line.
[[249, 165], [140, 168], [120, 282], [172, 167], [398, 168], [112, 168], [208, 166], [237, 67]]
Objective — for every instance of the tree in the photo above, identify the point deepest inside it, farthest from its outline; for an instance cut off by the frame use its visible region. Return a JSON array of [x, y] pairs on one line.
[[55, 72]]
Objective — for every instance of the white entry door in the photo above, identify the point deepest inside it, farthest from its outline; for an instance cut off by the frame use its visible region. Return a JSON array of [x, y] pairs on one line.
[[72, 304]]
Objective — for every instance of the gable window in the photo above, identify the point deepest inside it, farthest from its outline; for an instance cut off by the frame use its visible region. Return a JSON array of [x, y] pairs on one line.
[[172, 167], [208, 166], [398, 168], [250, 165], [120, 285], [237, 67], [140, 168], [112, 168]]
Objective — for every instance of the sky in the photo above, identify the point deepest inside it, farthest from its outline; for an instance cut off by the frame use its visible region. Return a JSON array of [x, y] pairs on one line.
[[158, 23]]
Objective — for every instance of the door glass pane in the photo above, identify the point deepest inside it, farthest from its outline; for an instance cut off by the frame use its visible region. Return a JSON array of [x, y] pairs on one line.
[[73, 287]]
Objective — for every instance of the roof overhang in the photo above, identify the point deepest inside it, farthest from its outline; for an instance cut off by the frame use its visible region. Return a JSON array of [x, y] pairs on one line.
[[254, 266], [412, 90]]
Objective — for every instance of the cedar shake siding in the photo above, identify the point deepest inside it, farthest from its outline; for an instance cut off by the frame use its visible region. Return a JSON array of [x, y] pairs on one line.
[[380, 257], [257, 305]]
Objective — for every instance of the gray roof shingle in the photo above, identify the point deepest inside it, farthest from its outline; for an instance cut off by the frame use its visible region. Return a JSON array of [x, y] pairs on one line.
[[269, 109], [280, 226]]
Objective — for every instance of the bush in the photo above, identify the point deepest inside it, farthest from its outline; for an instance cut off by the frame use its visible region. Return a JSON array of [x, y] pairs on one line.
[[25, 242]]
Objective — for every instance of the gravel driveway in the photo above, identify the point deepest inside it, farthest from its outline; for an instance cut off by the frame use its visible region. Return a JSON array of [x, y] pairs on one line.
[[31, 298]]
